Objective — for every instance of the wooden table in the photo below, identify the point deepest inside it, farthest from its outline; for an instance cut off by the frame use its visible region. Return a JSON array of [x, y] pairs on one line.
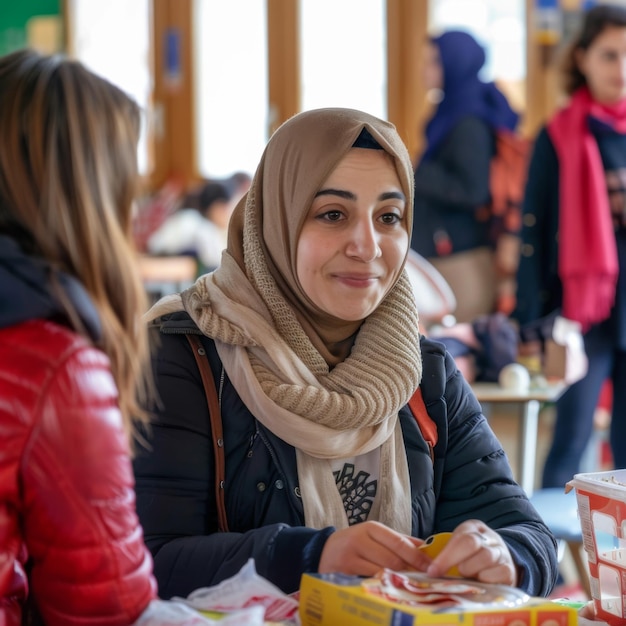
[[530, 402], [162, 275]]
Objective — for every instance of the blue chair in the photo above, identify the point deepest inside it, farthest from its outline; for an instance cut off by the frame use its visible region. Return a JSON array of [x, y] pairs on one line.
[[560, 514]]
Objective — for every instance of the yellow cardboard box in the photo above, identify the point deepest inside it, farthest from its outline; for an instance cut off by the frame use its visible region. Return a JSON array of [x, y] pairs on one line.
[[338, 600]]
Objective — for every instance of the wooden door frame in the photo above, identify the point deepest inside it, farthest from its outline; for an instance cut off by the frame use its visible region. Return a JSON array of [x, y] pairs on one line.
[[174, 93]]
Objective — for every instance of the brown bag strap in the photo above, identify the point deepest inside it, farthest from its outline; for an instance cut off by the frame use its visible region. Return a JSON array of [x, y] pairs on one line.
[[216, 427]]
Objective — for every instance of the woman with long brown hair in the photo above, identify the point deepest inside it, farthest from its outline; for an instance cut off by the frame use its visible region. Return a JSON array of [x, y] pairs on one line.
[[72, 350]]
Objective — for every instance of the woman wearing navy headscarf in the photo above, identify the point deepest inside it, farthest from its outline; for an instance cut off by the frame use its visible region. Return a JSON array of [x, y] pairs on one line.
[[452, 176]]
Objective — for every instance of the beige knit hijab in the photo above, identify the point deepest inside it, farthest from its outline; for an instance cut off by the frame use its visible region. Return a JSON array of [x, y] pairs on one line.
[[285, 357]]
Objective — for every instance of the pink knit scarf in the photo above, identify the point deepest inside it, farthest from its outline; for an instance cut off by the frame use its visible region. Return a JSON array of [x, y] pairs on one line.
[[588, 265]]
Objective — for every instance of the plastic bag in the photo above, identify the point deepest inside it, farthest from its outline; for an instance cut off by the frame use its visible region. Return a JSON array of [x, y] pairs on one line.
[[245, 589], [175, 613]]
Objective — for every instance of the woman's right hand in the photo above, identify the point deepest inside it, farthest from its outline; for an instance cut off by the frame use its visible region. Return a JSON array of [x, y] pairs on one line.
[[366, 548]]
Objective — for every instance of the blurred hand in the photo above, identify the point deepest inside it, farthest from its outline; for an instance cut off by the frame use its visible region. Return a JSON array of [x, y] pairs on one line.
[[529, 349], [479, 553], [529, 354], [588, 612], [366, 548]]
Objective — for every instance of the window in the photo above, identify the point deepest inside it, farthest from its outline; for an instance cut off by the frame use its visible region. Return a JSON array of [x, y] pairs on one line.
[[231, 79], [113, 39], [344, 54]]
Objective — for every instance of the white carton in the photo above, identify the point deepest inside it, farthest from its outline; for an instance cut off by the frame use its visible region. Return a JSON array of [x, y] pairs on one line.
[[601, 499]]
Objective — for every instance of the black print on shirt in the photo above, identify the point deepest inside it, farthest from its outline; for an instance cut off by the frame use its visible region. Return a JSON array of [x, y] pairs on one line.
[[356, 492]]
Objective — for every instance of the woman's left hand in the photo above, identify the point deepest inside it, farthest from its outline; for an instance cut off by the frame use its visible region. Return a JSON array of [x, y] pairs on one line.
[[479, 553]]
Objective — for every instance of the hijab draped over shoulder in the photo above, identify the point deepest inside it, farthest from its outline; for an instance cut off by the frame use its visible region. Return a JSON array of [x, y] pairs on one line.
[[329, 387]]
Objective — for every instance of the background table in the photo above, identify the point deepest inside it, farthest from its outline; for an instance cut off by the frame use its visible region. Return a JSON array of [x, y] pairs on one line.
[[530, 403], [162, 275]]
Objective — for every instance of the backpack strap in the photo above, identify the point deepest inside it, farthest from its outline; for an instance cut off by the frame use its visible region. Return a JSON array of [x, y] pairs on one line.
[[425, 423], [215, 416]]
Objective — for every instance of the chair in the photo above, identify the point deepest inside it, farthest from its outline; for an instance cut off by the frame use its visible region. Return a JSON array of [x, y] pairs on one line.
[[434, 297], [559, 511]]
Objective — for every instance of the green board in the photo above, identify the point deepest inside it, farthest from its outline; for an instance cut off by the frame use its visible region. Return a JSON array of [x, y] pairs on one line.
[[14, 17]]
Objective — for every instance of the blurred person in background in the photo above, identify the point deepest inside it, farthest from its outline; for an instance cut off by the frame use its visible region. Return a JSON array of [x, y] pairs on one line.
[[199, 228], [574, 233], [451, 226]]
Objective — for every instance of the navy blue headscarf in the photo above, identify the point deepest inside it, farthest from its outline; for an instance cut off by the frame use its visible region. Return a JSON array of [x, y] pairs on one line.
[[465, 94]]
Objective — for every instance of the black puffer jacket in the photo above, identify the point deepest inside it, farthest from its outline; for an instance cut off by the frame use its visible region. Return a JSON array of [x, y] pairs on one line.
[[470, 478]]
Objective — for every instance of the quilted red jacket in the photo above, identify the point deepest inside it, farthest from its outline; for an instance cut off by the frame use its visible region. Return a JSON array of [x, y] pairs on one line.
[[70, 541]]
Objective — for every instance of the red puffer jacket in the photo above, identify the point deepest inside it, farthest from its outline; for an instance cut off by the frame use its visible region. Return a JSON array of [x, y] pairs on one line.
[[67, 501]]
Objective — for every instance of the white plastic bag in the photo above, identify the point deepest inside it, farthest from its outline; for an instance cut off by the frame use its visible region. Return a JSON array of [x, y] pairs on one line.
[[176, 613], [245, 589]]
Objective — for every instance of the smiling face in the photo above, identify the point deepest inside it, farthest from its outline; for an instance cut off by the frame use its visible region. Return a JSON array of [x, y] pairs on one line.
[[354, 238], [604, 65]]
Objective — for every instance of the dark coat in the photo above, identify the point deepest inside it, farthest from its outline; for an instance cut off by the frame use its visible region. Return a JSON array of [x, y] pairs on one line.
[[449, 188], [470, 478], [539, 289]]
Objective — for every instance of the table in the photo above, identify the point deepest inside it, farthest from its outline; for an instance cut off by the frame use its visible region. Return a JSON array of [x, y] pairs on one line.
[[529, 401], [162, 275]]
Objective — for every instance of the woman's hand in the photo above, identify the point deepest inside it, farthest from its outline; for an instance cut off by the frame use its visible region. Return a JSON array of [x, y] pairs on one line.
[[366, 548], [479, 553]]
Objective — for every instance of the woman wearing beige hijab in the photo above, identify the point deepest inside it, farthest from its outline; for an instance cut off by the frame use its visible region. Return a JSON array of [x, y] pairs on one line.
[[311, 332]]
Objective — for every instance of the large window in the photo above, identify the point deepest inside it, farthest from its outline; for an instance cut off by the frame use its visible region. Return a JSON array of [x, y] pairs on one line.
[[232, 118], [344, 54], [113, 39], [323, 53]]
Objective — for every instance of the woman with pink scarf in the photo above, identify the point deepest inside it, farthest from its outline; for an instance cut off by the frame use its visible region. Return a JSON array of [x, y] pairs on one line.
[[574, 232]]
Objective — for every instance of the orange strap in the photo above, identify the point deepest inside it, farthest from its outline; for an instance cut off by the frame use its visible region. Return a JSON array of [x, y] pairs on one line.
[[426, 425]]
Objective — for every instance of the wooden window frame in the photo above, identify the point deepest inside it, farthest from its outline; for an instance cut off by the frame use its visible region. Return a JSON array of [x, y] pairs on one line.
[[407, 28]]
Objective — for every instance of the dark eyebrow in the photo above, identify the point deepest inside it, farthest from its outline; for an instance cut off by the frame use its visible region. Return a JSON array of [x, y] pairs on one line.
[[392, 195], [348, 195]]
